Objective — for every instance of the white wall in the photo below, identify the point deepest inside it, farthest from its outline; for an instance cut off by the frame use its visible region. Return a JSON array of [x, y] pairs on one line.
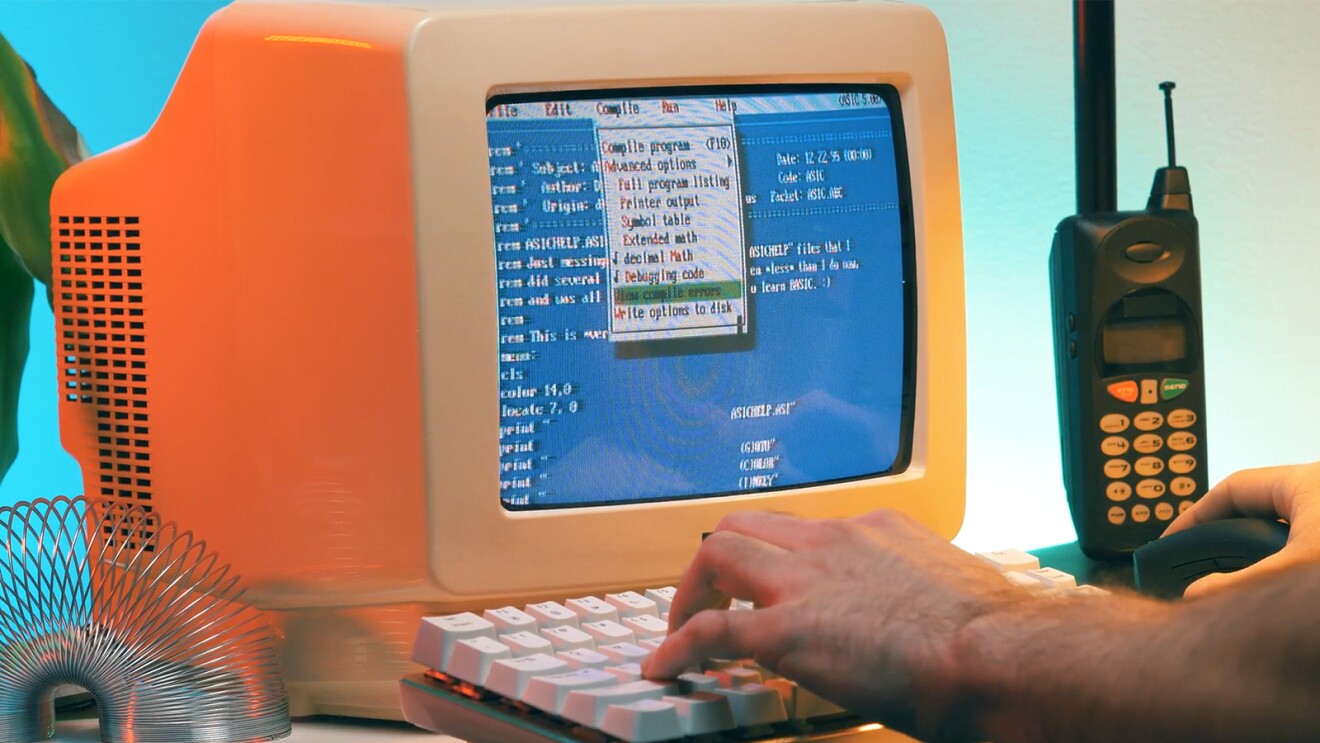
[[1247, 117]]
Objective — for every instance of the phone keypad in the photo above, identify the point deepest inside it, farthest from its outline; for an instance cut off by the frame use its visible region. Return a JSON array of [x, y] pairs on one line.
[[1182, 440], [1181, 464], [1182, 418], [1148, 443], [1148, 391], [1115, 423], [1118, 491], [1117, 468], [1126, 391], [1147, 453], [1148, 420], [1150, 489], [1114, 446], [1148, 466], [1181, 486]]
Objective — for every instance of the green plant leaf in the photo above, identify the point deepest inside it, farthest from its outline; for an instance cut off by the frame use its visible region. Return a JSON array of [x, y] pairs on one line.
[[37, 143], [16, 290]]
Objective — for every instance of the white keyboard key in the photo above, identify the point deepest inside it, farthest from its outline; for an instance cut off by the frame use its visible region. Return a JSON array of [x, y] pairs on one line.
[[652, 644], [550, 692], [587, 706], [633, 604], [732, 677], [1088, 590], [693, 682], [754, 704], [566, 637], [608, 631], [1053, 578], [510, 677], [527, 643], [510, 619], [584, 658], [646, 626], [1022, 580], [624, 652], [626, 673], [702, 712], [592, 609], [741, 605], [472, 658], [662, 597], [1010, 560], [551, 614], [646, 721], [436, 637]]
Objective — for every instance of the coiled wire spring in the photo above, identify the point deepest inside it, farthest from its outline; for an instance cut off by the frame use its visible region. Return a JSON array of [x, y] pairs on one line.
[[102, 595]]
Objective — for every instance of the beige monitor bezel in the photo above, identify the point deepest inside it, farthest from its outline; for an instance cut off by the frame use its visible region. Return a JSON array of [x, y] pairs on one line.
[[459, 59]]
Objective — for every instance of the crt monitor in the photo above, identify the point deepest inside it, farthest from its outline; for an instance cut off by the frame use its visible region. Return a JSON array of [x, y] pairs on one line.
[[418, 307]]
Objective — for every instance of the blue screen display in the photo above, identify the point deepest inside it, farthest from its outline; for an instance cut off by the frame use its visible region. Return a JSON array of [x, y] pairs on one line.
[[701, 292]]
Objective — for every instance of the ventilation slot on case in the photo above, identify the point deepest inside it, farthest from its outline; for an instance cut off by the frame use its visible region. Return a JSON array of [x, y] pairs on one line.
[[103, 361]]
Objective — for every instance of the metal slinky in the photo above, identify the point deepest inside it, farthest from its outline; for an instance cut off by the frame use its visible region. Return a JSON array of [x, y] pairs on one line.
[[105, 596]]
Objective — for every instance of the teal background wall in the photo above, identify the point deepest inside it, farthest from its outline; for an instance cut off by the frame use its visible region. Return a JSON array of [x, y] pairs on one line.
[[109, 65], [1246, 130], [1246, 112]]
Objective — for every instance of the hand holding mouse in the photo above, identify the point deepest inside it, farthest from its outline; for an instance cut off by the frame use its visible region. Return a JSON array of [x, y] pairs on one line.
[[1289, 492]]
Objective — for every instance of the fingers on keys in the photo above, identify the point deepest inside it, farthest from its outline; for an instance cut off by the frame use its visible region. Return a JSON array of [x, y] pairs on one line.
[[728, 565], [712, 634]]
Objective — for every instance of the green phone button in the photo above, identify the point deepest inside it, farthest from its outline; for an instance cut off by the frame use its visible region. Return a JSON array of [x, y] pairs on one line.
[[1171, 388]]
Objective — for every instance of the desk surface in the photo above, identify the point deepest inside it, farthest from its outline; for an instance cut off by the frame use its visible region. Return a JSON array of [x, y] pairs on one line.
[[336, 730], [1070, 559], [316, 730]]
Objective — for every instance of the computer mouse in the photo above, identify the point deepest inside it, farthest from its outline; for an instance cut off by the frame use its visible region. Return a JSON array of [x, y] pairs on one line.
[[1165, 567]]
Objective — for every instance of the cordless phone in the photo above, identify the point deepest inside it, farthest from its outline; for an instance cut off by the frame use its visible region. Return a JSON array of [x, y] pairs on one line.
[[1129, 363]]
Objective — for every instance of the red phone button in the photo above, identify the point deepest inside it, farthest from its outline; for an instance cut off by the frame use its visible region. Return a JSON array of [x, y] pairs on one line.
[[1125, 391]]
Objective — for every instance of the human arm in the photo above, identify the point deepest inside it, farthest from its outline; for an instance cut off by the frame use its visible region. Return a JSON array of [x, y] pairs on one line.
[[884, 617], [1290, 492]]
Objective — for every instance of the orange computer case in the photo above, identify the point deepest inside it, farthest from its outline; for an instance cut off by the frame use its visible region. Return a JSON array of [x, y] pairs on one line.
[[237, 328]]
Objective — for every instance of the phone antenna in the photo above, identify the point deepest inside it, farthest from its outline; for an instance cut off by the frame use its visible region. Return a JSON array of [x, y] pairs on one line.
[[1171, 188], [1167, 86]]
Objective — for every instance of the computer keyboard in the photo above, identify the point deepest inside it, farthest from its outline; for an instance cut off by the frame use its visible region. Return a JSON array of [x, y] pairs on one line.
[[569, 671]]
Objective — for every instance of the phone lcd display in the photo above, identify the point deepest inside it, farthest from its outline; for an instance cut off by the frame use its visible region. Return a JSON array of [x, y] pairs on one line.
[[1149, 342]]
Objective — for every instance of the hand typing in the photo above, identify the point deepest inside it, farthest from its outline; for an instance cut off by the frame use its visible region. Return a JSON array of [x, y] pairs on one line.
[[865, 612]]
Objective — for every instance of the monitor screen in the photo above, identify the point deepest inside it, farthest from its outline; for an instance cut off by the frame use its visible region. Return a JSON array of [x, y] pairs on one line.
[[701, 291]]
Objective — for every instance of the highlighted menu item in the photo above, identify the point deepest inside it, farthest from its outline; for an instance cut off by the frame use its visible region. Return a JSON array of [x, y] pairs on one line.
[[674, 226]]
